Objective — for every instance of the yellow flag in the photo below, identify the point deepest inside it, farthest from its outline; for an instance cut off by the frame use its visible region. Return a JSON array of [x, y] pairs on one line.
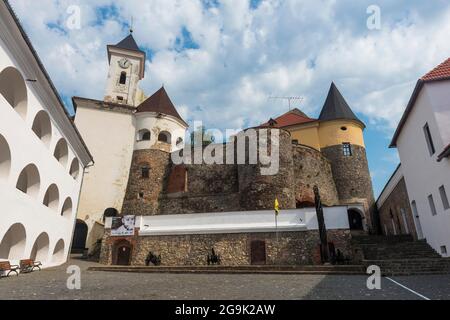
[[277, 207]]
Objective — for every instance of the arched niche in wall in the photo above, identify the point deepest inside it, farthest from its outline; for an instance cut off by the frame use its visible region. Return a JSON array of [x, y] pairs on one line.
[[40, 248], [5, 159], [42, 127], [61, 152], [12, 245], [58, 252], [51, 198], [144, 135], [66, 211], [14, 90], [75, 168], [29, 180]]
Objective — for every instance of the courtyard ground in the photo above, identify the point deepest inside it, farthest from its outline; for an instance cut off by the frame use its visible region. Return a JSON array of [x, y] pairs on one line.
[[51, 285]]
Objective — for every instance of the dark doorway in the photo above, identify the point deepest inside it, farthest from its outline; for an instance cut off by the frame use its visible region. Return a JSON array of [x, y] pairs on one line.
[[79, 237], [355, 220], [122, 253], [258, 252]]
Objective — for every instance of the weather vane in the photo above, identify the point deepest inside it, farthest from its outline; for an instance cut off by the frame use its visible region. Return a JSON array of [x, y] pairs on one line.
[[131, 24]]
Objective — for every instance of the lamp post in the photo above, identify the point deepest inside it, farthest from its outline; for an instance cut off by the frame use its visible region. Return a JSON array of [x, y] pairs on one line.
[[324, 250]]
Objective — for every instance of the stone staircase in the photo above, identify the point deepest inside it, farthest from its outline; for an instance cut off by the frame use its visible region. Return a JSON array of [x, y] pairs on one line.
[[400, 255]]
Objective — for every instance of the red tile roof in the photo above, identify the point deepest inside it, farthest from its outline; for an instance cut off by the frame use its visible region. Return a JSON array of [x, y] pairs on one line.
[[290, 118], [442, 71]]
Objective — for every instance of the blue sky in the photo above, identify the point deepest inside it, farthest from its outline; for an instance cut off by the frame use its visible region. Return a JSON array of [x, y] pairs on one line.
[[220, 60]]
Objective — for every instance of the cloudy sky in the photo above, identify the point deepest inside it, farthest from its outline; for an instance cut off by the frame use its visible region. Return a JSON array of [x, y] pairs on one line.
[[220, 60]]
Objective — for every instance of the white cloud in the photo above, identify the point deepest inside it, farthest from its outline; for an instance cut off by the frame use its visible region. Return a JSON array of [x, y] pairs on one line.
[[244, 56]]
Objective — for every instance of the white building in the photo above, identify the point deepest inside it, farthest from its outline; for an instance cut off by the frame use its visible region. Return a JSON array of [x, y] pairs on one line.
[[423, 142], [123, 122], [42, 156]]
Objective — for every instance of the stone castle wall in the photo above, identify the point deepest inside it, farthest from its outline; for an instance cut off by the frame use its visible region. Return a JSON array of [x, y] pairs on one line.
[[397, 201], [291, 248], [312, 168]]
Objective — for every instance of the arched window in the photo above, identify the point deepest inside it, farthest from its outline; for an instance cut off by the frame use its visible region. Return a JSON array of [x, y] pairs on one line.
[[66, 211], [123, 78], [110, 213], [165, 137], [144, 135], [14, 90], [51, 198], [29, 180], [75, 168], [180, 142], [5, 158], [42, 127], [61, 152]]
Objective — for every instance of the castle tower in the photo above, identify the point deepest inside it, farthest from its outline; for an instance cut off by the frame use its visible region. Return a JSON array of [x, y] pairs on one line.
[[342, 142], [160, 130], [258, 191], [126, 69]]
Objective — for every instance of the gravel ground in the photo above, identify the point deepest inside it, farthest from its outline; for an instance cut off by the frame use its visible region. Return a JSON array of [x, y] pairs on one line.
[[51, 285]]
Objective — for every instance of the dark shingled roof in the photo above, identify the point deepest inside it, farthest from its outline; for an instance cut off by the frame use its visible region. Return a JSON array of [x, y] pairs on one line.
[[336, 107], [159, 102], [128, 43]]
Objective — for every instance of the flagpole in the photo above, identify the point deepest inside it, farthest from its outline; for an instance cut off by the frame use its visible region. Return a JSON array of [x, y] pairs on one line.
[[276, 226]]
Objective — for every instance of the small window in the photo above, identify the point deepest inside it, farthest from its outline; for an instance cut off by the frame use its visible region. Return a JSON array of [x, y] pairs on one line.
[[429, 139], [444, 198], [295, 142], [344, 128], [179, 142], [141, 195], [347, 149], [146, 136], [444, 250], [145, 172], [123, 78], [432, 205], [164, 137]]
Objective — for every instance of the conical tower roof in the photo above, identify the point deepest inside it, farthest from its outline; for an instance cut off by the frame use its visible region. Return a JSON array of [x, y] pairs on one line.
[[159, 102], [336, 107]]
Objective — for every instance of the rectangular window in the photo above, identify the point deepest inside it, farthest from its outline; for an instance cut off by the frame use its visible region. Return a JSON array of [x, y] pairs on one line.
[[432, 205], [444, 198], [145, 172], [444, 250], [429, 139], [347, 149]]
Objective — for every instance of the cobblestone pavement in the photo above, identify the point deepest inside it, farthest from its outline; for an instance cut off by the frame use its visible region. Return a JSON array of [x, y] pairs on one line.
[[51, 285]]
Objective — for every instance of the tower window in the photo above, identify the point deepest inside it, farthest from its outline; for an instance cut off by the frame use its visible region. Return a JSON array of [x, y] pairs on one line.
[[347, 149], [429, 139], [145, 172], [123, 78], [444, 198], [432, 205]]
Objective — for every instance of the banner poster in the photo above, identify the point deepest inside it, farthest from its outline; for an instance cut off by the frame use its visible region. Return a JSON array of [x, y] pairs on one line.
[[123, 226]]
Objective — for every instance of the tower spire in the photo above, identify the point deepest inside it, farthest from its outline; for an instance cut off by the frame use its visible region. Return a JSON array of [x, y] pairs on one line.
[[131, 24]]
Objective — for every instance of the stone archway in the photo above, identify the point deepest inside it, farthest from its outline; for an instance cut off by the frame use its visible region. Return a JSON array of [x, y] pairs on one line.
[[79, 237], [355, 219], [122, 252]]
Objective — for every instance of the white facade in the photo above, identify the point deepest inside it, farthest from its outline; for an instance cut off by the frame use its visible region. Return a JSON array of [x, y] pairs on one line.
[[424, 175], [42, 157], [241, 222]]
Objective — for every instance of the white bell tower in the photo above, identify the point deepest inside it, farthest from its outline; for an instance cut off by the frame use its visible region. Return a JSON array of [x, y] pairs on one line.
[[126, 69]]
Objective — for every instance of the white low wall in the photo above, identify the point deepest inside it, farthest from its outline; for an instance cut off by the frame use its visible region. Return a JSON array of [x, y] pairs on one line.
[[240, 222]]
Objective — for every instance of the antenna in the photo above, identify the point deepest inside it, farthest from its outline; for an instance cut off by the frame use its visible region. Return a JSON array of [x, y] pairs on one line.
[[289, 99]]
